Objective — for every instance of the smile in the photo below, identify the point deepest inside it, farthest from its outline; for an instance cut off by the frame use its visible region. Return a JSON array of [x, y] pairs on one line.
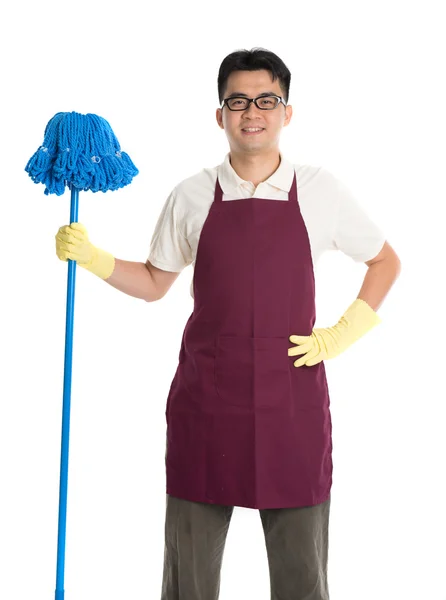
[[252, 131]]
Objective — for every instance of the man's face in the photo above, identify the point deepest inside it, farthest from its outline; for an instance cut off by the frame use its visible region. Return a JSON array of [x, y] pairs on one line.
[[252, 84]]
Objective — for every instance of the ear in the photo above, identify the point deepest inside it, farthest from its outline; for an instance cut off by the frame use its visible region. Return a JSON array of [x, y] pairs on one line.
[[219, 118], [288, 114]]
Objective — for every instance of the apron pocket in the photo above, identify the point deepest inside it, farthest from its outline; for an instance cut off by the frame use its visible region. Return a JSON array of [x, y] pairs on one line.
[[253, 372]]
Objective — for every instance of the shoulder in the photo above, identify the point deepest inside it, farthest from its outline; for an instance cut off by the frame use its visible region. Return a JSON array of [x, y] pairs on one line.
[[315, 177], [317, 189], [306, 173], [192, 195], [201, 179], [189, 200]]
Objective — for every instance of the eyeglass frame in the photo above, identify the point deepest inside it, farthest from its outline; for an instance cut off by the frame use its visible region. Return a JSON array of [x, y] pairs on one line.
[[225, 102]]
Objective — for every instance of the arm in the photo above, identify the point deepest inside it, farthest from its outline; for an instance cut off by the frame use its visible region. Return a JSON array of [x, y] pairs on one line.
[[359, 318], [136, 279], [382, 272], [141, 280]]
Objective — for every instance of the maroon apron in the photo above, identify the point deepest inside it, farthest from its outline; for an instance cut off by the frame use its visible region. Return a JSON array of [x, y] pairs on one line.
[[245, 427]]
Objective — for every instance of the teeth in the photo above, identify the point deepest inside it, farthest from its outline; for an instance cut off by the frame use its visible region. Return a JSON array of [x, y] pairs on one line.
[[253, 129]]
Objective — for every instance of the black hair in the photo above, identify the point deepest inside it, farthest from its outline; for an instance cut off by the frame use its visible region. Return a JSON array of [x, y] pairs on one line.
[[255, 59]]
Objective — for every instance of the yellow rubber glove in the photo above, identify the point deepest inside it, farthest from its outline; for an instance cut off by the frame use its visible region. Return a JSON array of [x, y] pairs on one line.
[[329, 342], [72, 243]]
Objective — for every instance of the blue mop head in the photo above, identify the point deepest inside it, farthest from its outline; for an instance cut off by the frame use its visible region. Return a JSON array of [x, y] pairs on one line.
[[80, 151]]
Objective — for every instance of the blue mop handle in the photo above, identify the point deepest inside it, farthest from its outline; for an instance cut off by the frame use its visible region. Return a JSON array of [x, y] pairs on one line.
[[60, 593]]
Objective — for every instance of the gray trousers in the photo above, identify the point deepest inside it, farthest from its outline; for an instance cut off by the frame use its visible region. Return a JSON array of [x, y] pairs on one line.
[[195, 534]]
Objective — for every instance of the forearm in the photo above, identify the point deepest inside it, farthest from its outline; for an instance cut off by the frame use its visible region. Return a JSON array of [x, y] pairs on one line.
[[134, 279], [359, 318], [378, 280]]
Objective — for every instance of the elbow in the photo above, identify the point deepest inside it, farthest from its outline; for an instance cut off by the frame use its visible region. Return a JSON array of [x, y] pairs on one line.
[[153, 297], [397, 267], [153, 292]]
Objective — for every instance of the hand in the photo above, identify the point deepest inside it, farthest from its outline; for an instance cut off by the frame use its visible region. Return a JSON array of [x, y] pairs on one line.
[[72, 243], [329, 342]]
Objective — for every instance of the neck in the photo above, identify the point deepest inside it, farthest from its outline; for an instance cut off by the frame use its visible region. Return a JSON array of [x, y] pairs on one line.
[[255, 167]]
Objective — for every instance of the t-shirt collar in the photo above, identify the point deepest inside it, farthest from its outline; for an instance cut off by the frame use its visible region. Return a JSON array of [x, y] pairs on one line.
[[282, 178]]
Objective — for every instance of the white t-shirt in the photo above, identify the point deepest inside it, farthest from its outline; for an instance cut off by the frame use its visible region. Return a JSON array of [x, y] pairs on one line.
[[333, 217]]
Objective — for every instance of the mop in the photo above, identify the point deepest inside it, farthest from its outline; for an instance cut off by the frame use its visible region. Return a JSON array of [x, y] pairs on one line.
[[80, 152]]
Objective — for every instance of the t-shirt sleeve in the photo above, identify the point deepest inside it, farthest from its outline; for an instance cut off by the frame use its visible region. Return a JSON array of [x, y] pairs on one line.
[[169, 248], [354, 232]]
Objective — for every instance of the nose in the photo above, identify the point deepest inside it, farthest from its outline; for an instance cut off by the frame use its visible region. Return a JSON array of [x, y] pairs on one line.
[[252, 111], [252, 107]]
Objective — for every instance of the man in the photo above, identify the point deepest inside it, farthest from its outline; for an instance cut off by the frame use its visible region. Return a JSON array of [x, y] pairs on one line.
[[248, 419]]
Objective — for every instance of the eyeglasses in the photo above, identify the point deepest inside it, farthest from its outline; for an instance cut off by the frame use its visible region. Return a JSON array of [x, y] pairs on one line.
[[262, 102]]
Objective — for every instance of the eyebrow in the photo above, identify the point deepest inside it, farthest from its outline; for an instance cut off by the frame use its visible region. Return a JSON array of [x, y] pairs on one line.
[[246, 95]]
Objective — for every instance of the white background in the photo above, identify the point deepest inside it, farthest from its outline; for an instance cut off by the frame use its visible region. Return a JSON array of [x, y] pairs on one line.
[[368, 99]]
